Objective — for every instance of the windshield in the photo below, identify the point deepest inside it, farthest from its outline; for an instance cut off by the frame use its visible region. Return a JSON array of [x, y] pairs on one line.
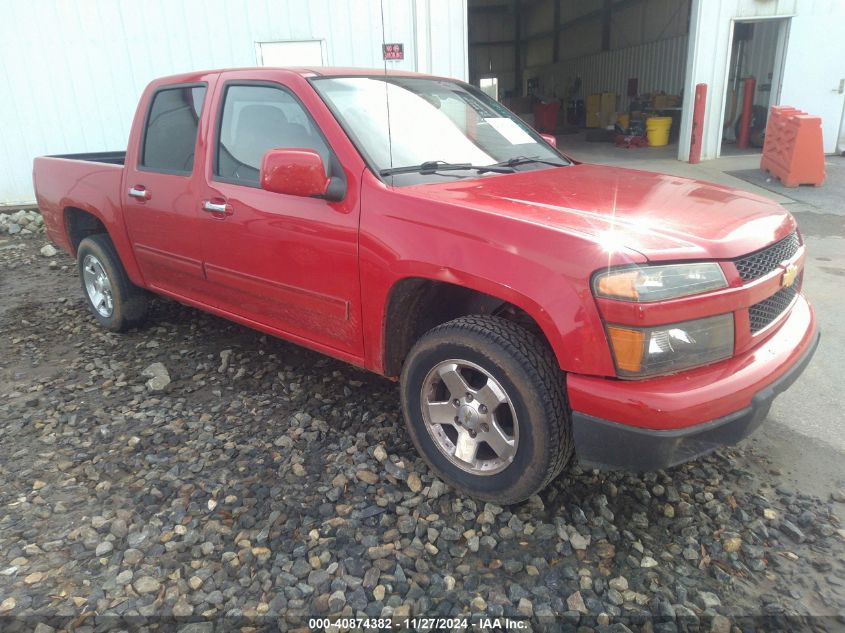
[[401, 122]]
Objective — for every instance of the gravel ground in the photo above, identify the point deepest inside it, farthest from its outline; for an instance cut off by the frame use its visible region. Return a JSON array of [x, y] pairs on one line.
[[198, 475]]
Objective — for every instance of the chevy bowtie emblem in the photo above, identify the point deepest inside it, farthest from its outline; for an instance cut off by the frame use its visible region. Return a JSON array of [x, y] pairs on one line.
[[789, 276]]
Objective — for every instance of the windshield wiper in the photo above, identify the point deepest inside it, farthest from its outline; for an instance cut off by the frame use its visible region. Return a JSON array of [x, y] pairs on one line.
[[433, 166], [524, 160]]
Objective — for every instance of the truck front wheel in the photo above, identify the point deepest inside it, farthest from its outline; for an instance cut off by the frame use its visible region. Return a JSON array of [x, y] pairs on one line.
[[115, 302], [484, 404]]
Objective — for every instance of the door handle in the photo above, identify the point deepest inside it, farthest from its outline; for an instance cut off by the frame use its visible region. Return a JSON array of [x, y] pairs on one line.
[[139, 192], [216, 207], [841, 87]]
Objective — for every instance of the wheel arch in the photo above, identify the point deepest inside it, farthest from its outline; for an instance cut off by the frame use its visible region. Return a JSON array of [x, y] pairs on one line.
[[416, 304], [79, 220]]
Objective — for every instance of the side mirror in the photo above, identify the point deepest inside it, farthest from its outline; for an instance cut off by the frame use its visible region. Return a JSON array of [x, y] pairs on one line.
[[296, 172], [551, 140]]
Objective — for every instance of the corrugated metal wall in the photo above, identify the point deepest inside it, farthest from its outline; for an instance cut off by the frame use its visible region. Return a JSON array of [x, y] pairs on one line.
[[492, 33], [73, 69], [658, 66], [760, 59], [494, 22]]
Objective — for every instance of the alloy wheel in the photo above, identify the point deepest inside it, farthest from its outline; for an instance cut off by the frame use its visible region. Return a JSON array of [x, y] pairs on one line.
[[98, 286], [470, 417]]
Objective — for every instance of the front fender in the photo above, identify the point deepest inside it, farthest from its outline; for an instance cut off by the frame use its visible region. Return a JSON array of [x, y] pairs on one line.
[[541, 270]]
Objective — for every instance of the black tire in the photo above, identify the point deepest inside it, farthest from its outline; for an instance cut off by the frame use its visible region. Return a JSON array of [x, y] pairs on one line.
[[528, 372], [130, 302]]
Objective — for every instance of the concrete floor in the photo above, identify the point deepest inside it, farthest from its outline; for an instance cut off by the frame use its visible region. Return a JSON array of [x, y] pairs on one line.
[[805, 432], [665, 160]]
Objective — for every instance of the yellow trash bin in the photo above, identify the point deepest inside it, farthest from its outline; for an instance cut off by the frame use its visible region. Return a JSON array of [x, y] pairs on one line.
[[657, 130]]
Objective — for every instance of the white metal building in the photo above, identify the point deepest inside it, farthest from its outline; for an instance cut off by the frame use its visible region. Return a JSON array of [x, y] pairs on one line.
[[72, 70]]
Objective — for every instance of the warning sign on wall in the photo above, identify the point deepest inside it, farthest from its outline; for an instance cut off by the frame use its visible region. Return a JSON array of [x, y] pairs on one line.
[[393, 51]]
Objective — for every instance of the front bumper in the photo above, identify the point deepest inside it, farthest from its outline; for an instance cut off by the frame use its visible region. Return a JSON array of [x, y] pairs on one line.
[[657, 423]]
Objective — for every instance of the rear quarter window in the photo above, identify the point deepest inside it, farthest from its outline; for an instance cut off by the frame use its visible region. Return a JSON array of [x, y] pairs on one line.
[[170, 135]]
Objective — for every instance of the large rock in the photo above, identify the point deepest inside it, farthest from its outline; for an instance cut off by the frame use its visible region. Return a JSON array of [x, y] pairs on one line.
[[575, 602], [158, 376], [146, 584]]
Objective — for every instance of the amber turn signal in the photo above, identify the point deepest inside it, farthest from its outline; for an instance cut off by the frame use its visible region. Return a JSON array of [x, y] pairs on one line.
[[627, 347], [645, 283], [664, 349], [621, 285]]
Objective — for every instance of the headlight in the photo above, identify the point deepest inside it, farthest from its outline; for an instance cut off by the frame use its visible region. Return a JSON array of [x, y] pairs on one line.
[[653, 283], [664, 349]]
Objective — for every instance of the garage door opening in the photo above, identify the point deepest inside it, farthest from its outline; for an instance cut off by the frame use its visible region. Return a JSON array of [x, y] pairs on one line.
[[591, 73], [756, 67]]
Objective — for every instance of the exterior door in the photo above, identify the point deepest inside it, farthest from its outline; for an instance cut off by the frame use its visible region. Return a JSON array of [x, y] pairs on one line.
[[160, 193], [286, 262], [815, 82], [293, 53], [840, 146]]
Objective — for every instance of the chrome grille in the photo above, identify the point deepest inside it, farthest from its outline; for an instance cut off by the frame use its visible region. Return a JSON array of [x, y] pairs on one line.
[[765, 312], [768, 259]]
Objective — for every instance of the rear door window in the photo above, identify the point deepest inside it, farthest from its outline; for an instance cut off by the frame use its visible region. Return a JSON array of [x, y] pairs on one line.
[[256, 119], [170, 136]]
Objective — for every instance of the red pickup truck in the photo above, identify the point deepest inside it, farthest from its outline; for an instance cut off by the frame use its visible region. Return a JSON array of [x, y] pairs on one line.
[[532, 306]]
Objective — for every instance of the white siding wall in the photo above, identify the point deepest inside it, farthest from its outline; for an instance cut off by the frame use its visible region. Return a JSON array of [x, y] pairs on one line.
[[72, 70]]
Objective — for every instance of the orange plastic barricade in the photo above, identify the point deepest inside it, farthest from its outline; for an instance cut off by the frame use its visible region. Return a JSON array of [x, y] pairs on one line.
[[777, 116], [792, 150]]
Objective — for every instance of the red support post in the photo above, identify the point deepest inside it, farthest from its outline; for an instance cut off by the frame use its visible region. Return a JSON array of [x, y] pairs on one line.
[[745, 119], [697, 123]]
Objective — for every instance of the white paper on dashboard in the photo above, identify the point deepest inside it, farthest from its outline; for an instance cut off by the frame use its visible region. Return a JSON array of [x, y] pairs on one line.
[[510, 130]]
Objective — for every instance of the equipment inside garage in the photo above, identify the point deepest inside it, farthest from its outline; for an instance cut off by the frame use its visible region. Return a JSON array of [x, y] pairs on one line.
[[613, 71], [609, 70]]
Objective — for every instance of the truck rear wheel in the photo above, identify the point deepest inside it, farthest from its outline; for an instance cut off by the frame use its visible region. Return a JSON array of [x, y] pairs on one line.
[[484, 403], [115, 302]]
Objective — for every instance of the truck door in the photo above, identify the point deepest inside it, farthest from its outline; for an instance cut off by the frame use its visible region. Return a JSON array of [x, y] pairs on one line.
[[286, 262], [160, 192]]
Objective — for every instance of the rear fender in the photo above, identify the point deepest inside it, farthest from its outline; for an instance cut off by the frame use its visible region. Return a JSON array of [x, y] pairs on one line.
[[115, 229]]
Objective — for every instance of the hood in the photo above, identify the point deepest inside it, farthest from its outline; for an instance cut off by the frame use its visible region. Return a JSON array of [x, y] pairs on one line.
[[662, 217]]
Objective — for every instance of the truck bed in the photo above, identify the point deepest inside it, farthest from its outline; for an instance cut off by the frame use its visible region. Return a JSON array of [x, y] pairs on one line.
[[87, 182], [112, 158]]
